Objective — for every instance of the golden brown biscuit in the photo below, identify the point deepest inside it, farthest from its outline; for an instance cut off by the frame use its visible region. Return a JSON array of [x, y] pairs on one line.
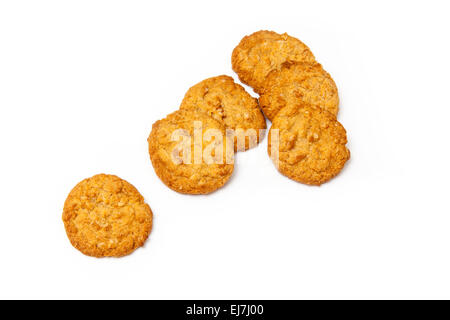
[[299, 83], [226, 101], [311, 145], [187, 170], [264, 51], [106, 216]]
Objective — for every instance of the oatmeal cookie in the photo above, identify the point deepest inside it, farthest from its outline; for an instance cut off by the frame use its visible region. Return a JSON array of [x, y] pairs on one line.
[[106, 216], [264, 51], [311, 144], [200, 166], [299, 82], [226, 101]]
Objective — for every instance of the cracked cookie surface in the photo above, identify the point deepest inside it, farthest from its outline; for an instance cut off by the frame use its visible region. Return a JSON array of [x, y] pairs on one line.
[[264, 51], [186, 172], [299, 83], [224, 100], [105, 216], [311, 144]]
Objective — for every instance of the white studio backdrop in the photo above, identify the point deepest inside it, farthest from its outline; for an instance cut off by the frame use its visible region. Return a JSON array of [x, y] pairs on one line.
[[81, 83]]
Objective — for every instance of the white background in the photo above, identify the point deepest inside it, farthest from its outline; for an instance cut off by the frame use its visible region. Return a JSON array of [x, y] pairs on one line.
[[81, 83]]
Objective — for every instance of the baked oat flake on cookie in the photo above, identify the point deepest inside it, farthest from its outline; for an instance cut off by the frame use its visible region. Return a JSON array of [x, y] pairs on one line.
[[311, 144], [226, 101], [105, 216], [204, 166], [265, 51]]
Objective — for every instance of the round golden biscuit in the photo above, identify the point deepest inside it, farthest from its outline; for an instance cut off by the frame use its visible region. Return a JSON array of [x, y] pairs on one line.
[[188, 152], [106, 216], [310, 144], [224, 100], [265, 51], [299, 83]]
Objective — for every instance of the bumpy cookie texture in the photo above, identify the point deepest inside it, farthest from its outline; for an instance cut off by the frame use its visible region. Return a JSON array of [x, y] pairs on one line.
[[190, 175], [311, 144], [224, 100], [106, 216], [299, 83], [265, 51]]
